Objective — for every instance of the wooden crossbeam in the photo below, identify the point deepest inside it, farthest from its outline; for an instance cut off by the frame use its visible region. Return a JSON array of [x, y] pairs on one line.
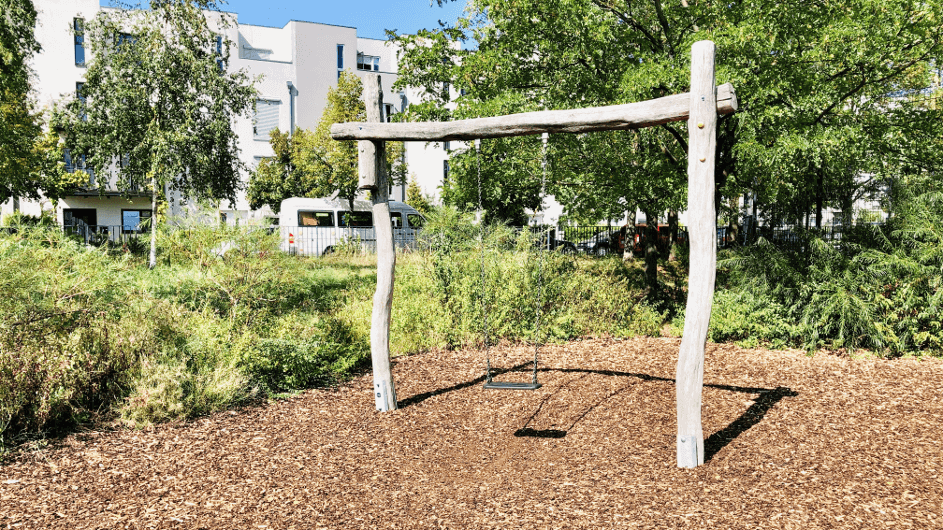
[[615, 117]]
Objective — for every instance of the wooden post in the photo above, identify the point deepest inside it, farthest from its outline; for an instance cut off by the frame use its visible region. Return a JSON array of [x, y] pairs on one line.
[[373, 176], [702, 145]]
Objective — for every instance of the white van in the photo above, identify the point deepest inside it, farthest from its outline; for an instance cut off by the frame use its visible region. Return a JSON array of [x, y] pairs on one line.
[[313, 227]]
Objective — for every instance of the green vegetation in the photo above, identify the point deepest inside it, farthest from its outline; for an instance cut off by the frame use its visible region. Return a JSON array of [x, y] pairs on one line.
[[92, 333], [879, 288]]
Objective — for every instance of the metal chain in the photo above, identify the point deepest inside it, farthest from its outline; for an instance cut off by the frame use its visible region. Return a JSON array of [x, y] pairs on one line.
[[481, 236], [540, 261]]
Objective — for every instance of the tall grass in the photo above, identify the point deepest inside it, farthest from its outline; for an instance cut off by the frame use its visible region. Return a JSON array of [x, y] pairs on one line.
[[226, 317]]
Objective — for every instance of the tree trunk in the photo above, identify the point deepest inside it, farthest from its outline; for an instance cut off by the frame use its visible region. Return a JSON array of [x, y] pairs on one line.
[[672, 235], [152, 260], [819, 193], [651, 252], [734, 226], [628, 241]]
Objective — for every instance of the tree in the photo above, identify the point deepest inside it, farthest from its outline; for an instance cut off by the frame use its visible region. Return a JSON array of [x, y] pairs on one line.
[[416, 198], [158, 103], [816, 82], [312, 164], [278, 178], [19, 124]]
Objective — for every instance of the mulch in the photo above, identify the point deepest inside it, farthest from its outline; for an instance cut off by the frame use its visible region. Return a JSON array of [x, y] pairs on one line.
[[792, 442]]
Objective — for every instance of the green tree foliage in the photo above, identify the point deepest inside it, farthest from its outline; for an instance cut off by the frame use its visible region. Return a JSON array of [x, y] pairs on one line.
[[312, 164], [159, 104], [417, 199], [19, 124], [828, 91], [278, 178]]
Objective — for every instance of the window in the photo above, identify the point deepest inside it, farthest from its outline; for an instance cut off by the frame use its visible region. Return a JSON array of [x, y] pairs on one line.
[[448, 145], [368, 62], [396, 219], [134, 221], [445, 170], [315, 218], [222, 218], [445, 90], [78, 25], [81, 97], [256, 54], [266, 118], [219, 52], [78, 164], [79, 216], [415, 220], [126, 38], [356, 219], [388, 109], [340, 56]]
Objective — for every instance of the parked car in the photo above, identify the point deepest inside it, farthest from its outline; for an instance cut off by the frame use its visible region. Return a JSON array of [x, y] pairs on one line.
[[601, 244], [562, 245]]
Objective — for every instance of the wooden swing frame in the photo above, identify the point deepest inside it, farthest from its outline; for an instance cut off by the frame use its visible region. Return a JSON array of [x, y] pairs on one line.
[[701, 107]]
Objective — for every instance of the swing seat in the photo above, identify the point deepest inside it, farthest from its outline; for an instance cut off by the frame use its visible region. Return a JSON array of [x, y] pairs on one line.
[[509, 385]]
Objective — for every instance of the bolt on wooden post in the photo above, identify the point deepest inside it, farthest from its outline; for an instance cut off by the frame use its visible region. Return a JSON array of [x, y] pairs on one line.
[[702, 146], [373, 177]]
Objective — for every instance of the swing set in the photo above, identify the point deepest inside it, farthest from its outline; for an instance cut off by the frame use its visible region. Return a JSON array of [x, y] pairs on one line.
[[700, 107]]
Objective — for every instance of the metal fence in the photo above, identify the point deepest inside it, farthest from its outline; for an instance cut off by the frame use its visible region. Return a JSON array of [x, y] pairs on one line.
[[591, 240], [97, 235], [317, 240]]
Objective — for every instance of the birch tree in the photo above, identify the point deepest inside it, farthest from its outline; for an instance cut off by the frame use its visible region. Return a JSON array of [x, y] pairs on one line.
[[160, 103]]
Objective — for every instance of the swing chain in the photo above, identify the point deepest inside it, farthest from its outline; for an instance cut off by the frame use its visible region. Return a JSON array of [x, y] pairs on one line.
[[540, 259], [481, 236]]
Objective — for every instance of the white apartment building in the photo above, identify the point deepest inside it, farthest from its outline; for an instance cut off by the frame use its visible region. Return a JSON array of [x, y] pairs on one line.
[[297, 63]]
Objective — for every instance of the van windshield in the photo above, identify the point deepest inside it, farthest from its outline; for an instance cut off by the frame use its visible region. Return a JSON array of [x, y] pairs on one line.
[[356, 219], [415, 220]]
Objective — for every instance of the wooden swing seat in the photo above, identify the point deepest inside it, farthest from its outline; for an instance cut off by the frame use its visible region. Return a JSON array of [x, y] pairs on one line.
[[508, 385]]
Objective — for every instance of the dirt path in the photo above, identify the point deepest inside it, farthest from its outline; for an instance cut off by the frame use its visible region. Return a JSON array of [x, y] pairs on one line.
[[793, 442]]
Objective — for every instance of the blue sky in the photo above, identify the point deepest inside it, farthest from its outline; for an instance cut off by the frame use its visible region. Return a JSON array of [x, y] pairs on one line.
[[371, 17]]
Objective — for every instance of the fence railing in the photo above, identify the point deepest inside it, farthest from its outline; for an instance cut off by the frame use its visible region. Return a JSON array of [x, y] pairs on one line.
[[320, 240], [592, 240], [101, 234]]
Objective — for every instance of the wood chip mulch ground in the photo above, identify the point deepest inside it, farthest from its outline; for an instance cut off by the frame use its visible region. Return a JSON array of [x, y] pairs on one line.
[[792, 442]]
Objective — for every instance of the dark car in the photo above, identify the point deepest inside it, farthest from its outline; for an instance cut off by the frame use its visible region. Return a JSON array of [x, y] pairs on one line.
[[601, 244]]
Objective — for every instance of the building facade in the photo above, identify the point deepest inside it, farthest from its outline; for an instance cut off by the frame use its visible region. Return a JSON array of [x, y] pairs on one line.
[[295, 65]]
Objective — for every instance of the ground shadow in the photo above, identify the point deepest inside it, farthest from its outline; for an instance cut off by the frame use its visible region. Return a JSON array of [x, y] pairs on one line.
[[753, 415], [768, 398], [419, 398], [542, 433]]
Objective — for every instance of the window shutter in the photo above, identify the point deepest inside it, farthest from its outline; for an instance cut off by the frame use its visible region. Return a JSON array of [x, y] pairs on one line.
[[266, 117]]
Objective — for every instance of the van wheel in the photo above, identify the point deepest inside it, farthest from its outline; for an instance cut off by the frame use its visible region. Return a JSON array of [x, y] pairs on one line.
[[328, 250]]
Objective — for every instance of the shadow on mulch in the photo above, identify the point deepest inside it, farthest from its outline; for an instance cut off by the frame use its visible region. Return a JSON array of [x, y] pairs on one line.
[[768, 399]]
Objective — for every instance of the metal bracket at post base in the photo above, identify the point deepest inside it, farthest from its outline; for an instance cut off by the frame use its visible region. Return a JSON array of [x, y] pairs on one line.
[[687, 452], [382, 398]]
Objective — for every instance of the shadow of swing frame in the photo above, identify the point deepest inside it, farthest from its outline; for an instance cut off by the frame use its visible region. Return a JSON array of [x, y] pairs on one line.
[[713, 444]]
